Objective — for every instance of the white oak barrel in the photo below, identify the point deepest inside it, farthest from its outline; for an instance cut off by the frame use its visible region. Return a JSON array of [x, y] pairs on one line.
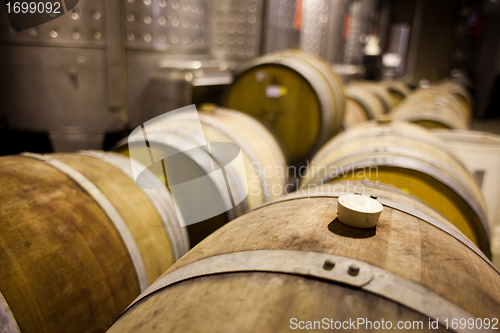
[[370, 100], [460, 92], [439, 106], [362, 104], [262, 157], [378, 90], [80, 240], [397, 89], [295, 94], [411, 158], [291, 263], [355, 113]]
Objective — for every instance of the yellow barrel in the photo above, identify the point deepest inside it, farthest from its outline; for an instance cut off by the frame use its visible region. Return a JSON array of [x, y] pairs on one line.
[[435, 107], [80, 240], [291, 265], [295, 94], [412, 159], [262, 157]]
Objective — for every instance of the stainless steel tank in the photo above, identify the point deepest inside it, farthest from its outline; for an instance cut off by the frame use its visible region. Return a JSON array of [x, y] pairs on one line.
[[236, 29], [172, 46], [282, 25], [100, 67], [65, 77], [358, 26], [322, 28]]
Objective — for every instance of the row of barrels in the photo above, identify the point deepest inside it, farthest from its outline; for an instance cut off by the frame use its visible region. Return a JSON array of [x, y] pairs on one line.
[[292, 265], [445, 105], [80, 233], [304, 102], [82, 240]]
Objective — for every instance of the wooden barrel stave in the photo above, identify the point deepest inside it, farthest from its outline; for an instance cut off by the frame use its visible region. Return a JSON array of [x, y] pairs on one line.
[[401, 244], [354, 114], [145, 225]]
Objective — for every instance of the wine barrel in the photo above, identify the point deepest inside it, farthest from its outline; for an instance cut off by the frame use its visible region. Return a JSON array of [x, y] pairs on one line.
[[80, 240], [377, 90], [434, 107], [291, 263], [369, 100], [397, 89], [262, 158], [410, 158], [354, 113], [295, 94], [361, 105], [460, 92]]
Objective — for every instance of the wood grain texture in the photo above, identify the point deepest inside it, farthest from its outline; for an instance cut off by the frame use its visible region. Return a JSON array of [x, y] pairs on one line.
[[257, 302], [64, 266], [401, 244], [135, 208]]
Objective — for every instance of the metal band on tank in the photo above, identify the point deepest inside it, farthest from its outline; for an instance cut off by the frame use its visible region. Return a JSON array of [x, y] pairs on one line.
[[109, 210]]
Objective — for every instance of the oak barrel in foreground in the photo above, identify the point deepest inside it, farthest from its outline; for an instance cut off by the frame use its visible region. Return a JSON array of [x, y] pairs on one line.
[[292, 261], [80, 240]]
